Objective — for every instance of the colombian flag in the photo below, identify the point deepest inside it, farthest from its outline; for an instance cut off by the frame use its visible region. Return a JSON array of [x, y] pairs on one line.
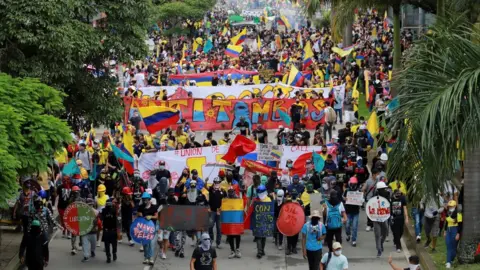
[[157, 118], [284, 21], [307, 56], [233, 51], [231, 217], [295, 78], [240, 38]]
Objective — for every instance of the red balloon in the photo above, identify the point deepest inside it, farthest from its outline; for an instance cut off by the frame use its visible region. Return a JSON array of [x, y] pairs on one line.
[[291, 219]]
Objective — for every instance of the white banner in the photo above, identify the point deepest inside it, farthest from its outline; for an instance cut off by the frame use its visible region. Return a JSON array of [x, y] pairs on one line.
[[202, 159], [354, 198], [242, 91], [378, 209]]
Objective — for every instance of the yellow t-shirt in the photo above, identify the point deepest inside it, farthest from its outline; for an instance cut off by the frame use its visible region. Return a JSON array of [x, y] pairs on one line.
[[267, 199], [355, 95], [349, 81], [305, 197], [182, 138], [454, 223], [83, 173], [62, 156], [149, 140], [398, 185]]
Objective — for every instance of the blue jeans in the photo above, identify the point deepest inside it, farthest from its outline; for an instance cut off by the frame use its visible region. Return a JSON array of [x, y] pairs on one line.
[[149, 249], [352, 225], [451, 244], [215, 221], [339, 114], [418, 217]]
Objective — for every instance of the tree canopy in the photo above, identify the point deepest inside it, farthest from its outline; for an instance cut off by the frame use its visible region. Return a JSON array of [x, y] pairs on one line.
[[29, 132], [177, 12], [56, 42]]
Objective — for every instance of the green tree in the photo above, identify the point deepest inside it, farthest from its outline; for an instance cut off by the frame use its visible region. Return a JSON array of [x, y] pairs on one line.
[[56, 42], [178, 12], [439, 118], [29, 132]]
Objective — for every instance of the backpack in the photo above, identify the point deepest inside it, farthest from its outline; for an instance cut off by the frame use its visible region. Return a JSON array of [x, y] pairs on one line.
[[331, 115], [334, 218]]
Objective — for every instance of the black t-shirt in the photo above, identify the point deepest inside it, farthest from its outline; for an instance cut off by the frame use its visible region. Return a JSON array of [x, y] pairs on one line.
[[214, 81], [350, 208], [109, 218], [243, 126], [305, 136], [397, 207], [162, 173], [63, 196], [148, 211], [204, 259], [260, 135]]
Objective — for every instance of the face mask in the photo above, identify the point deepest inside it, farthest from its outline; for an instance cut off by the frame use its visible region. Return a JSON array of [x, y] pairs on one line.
[[262, 195], [324, 152], [206, 243], [345, 161], [353, 186], [451, 210], [413, 266], [338, 252], [162, 168], [315, 221], [231, 194], [216, 186], [289, 165], [325, 186]]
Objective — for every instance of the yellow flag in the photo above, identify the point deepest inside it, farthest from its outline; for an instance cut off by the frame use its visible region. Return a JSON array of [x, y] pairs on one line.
[[259, 43], [372, 124]]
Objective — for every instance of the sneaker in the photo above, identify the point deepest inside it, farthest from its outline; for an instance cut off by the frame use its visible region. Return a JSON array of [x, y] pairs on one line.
[[120, 241], [85, 259], [259, 256], [427, 244], [348, 238], [151, 262], [181, 255], [387, 240], [74, 251], [218, 246], [399, 250], [98, 244], [232, 255], [294, 251], [288, 252], [69, 236], [92, 254], [419, 239], [146, 261], [368, 228], [114, 257], [177, 252], [448, 265], [379, 253], [164, 256], [131, 243], [280, 247], [354, 244], [141, 248], [238, 254], [108, 260]]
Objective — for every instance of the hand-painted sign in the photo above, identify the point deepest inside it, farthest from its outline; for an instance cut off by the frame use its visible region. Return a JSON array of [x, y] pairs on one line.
[[378, 209], [79, 218], [231, 217], [142, 230], [184, 218], [354, 198], [270, 152], [291, 219], [214, 114], [263, 219]]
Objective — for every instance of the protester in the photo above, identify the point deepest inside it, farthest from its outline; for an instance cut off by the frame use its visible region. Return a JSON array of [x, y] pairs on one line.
[[34, 248], [262, 196], [413, 263], [89, 240], [313, 233], [109, 220], [148, 211], [204, 257], [381, 228], [335, 216], [216, 195], [399, 217], [453, 231], [279, 198], [334, 260], [353, 212], [127, 206]]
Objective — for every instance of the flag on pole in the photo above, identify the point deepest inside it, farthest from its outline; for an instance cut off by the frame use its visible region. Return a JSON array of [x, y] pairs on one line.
[[318, 161], [259, 43], [282, 20], [157, 118], [233, 51], [307, 56], [240, 38], [240, 146], [295, 78]]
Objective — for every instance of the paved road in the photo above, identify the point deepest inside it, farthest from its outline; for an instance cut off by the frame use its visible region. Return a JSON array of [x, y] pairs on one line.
[[362, 257]]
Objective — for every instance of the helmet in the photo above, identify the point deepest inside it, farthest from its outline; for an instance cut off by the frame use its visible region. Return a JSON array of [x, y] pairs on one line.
[[353, 180], [280, 193], [146, 195], [381, 185], [101, 188], [75, 188], [261, 189], [452, 203], [36, 223], [79, 162], [127, 191], [43, 194], [384, 157]]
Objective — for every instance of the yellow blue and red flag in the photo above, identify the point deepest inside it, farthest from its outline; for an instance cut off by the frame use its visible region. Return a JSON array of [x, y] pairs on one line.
[[231, 217], [307, 56], [282, 20], [295, 78], [240, 38], [157, 118], [233, 51]]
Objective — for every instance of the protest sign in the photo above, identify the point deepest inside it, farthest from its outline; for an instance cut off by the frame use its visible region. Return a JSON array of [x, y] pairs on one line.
[[378, 209], [354, 198], [184, 218], [291, 219], [231, 217], [270, 152], [79, 218], [142, 230], [316, 202], [263, 219]]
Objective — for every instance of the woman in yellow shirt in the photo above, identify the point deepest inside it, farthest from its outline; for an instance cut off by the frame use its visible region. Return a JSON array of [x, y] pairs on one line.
[[453, 230]]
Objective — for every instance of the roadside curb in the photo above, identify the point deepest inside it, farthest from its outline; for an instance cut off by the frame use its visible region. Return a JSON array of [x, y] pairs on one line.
[[14, 264], [410, 240]]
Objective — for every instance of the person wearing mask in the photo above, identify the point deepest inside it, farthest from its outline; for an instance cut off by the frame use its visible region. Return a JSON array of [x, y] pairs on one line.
[[200, 184], [252, 189], [335, 261], [148, 211], [34, 247], [279, 199], [262, 196], [335, 216], [243, 126], [85, 157], [100, 202], [399, 217], [233, 240], [453, 231], [260, 135], [180, 186], [47, 222], [160, 191], [225, 140], [313, 233], [89, 240], [413, 263], [305, 135], [381, 228], [353, 212], [305, 197], [228, 182], [163, 172], [296, 185], [135, 120], [109, 220], [296, 112], [204, 256], [285, 179], [292, 197], [369, 191], [75, 197], [24, 203], [216, 195], [330, 164], [63, 192], [432, 210], [273, 183], [126, 209]]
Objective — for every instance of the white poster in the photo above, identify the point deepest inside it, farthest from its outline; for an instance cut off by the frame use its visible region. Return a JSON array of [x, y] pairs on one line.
[[378, 209]]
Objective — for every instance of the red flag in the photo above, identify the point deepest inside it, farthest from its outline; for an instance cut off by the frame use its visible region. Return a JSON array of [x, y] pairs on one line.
[[240, 146]]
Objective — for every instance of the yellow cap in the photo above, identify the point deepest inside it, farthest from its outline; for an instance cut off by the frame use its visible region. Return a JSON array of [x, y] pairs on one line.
[[101, 188], [452, 203]]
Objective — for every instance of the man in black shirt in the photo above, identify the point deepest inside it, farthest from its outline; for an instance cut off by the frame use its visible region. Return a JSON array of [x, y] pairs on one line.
[[109, 218], [243, 126], [163, 172], [260, 134], [296, 112], [352, 211], [204, 257], [135, 121], [216, 195], [305, 135], [229, 80], [399, 217], [215, 79], [210, 138]]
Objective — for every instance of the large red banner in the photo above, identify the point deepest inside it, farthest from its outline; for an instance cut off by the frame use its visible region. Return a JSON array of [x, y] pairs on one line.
[[223, 114]]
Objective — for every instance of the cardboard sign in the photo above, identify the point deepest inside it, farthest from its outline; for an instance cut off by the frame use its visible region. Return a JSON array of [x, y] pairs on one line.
[[184, 218], [316, 202], [269, 152], [291, 219], [79, 218], [378, 209], [263, 219], [355, 198], [142, 230]]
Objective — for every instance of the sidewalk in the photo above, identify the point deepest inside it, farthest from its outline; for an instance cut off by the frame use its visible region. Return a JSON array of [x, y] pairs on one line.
[[9, 247]]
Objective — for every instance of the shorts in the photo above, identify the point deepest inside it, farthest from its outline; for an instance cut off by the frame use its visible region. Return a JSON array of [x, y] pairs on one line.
[[432, 226], [163, 235]]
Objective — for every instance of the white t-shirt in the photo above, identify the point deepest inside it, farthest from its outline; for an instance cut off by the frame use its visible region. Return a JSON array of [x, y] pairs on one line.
[[140, 77], [336, 262]]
